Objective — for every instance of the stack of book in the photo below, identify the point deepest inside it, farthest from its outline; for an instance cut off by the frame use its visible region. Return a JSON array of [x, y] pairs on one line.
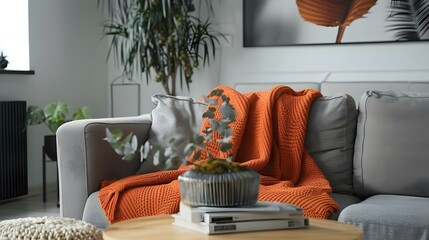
[[256, 217]]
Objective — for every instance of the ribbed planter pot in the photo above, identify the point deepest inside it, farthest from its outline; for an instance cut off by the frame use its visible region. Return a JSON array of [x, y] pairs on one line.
[[51, 146], [219, 190]]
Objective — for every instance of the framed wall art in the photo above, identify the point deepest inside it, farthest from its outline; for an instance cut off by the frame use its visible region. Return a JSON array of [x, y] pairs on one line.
[[303, 22]]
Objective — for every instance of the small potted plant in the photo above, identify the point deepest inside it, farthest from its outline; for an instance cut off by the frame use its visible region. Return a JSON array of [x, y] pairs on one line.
[[53, 116], [3, 61], [215, 179]]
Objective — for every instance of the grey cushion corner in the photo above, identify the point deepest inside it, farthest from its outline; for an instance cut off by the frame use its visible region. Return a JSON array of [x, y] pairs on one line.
[[390, 217], [392, 140], [330, 138], [93, 212]]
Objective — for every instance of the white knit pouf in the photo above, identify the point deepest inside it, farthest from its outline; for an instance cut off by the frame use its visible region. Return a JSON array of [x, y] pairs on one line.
[[48, 228]]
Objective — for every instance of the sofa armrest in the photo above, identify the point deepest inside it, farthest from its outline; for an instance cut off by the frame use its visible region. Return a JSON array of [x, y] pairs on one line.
[[85, 159]]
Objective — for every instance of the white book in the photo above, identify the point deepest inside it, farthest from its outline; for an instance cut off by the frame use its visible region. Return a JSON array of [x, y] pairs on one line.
[[196, 214], [245, 226], [222, 217]]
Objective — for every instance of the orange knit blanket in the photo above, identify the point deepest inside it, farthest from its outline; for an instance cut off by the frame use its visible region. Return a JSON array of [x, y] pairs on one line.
[[268, 137]]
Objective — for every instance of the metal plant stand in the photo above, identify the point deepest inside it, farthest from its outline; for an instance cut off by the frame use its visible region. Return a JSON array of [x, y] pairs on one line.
[[44, 160], [124, 80]]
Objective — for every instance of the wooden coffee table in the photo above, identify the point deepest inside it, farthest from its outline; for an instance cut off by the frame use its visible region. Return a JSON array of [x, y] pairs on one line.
[[161, 227]]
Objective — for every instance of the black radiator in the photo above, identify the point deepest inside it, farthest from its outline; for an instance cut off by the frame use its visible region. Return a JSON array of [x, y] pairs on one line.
[[13, 150]]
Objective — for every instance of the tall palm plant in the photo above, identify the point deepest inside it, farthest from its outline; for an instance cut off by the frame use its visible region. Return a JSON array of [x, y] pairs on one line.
[[160, 37], [409, 19]]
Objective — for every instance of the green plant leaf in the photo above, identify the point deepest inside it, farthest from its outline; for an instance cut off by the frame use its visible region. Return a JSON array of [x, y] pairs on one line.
[[210, 101], [159, 36], [126, 147], [208, 131], [216, 92], [128, 152], [35, 115], [197, 155], [81, 113], [190, 147], [215, 124], [55, 114], [227, 111], [127, 139], [225, 140], [208, 114], [113, 136]]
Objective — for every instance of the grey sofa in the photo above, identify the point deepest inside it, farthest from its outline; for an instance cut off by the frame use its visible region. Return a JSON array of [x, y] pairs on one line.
[[376, 158]]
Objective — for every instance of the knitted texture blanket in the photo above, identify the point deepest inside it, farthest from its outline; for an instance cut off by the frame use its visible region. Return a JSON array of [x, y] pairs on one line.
[[268, 136]]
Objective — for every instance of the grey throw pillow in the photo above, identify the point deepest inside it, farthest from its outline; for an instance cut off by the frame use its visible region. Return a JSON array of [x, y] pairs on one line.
[[392, 144], [330, 137], [171, 117]]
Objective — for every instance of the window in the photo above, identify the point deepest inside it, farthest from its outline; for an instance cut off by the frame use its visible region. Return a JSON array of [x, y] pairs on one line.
[[14, 40]]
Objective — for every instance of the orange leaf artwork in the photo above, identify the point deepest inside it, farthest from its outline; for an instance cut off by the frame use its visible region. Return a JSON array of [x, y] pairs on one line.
[[332, 13]]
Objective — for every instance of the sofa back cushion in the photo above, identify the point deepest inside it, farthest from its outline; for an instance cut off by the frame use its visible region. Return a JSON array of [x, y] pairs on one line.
[[330, 139], [392, 144]]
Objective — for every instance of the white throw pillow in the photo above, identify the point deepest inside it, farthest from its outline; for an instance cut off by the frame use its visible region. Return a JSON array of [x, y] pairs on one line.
[[172, 116]]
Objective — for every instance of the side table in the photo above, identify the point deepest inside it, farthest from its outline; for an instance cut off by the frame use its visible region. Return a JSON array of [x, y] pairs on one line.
[[161, 227]]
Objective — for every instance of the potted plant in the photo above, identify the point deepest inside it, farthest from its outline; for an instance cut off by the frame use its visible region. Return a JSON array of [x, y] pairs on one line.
[[53, 116], [3, 61], [217, 182], [161, 37], [214, 179]]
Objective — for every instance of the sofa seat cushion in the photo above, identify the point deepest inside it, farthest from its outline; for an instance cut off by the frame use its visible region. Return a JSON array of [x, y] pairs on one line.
[[93, 213], [390, 217]]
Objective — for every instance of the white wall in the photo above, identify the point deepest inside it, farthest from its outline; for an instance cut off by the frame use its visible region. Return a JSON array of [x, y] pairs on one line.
[[353, 62], [398, 62], [125, 101], [69, 58]]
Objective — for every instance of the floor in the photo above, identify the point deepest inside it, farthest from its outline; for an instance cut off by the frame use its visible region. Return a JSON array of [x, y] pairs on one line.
[[30, 206]]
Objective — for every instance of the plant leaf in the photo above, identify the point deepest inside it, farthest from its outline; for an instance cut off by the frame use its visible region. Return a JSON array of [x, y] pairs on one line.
[[81, 113], [126, 147], [409, 19], [332, 13], [227, 111], [210, 101], [197, 155], [35, 115], [208, 114], [55, 114], [160, 37], [225, 147]]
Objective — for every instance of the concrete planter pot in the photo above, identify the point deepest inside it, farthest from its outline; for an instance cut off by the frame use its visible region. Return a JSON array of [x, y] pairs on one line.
[[219, 190]]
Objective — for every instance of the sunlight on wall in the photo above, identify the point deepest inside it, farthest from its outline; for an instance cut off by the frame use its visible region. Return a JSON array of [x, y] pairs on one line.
[[14, 39]]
